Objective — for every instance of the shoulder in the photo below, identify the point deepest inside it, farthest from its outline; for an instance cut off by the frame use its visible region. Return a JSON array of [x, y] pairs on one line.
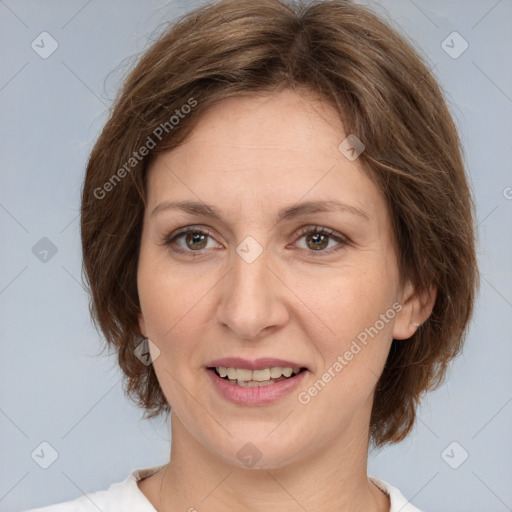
[[398, 501], [119, 495]]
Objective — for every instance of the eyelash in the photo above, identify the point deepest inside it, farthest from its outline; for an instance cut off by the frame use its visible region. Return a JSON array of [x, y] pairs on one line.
[[342, 241]]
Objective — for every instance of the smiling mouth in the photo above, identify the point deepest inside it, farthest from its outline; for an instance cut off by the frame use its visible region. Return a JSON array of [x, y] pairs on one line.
[[256, 378]]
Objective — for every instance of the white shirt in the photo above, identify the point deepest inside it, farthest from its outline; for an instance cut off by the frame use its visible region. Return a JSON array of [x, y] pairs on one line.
[[126, 496]]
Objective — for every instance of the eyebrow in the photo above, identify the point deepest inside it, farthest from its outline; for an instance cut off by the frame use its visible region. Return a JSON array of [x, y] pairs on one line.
[[287, 213]]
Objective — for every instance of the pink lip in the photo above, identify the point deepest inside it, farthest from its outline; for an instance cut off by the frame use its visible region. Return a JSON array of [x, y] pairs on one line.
[[258, 364], [261, 395]]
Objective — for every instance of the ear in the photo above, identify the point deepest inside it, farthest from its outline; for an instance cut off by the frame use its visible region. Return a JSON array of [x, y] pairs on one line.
[[416, 308], [142, 325]]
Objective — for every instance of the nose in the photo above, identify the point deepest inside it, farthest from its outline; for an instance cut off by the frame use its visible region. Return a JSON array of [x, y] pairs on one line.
[[253, 298]]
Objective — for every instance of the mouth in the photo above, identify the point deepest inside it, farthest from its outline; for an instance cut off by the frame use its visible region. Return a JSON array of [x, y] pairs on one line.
[[255, 382], [245, 377]]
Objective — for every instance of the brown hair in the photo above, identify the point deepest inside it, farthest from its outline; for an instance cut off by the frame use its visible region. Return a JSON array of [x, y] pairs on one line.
[[385, 95]]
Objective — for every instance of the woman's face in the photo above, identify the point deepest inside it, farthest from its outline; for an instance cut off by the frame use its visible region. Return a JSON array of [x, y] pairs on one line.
[[253, 284]]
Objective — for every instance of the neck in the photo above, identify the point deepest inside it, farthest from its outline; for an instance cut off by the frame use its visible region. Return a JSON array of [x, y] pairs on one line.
[[332, 479]]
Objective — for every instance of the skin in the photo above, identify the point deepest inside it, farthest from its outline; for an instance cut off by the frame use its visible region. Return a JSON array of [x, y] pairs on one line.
[[251, 157]]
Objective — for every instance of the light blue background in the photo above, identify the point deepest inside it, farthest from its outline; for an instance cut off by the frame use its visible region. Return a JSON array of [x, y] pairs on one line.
[[54, 389]]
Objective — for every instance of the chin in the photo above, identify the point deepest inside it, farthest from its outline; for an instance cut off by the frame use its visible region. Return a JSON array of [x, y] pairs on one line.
[[253, 448]]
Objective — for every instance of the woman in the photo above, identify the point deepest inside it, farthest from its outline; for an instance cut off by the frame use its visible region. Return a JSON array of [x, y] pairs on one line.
[[278, 238]]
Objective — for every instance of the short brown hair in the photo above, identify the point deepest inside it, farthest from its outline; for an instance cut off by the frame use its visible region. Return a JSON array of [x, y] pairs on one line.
[[385, 95]]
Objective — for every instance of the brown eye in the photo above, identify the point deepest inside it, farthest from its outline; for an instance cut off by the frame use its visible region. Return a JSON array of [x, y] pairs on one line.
[[195, 240], [190, 240], [317, 240]]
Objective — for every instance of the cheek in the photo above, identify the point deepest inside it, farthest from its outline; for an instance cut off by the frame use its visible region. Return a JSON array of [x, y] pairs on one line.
[[352, 326], [350, 300], [352, 355], [172, 308], [169, 295]]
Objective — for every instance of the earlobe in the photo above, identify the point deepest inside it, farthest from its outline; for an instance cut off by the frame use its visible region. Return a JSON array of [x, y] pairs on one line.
[[142, 325], [416, 309]]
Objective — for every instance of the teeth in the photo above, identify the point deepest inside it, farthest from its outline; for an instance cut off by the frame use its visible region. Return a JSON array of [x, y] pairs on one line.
[[242, 374], [275, 373], [254, 384], [257, 375], [263, 375], [287, 372]]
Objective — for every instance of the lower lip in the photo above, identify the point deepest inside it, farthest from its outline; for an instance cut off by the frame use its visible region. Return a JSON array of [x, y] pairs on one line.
[[258, 395]]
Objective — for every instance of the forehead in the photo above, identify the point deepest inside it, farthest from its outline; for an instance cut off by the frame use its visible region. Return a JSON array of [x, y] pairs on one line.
[[262, 152]]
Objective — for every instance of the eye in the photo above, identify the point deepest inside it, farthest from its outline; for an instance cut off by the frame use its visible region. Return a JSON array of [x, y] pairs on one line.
[[195, 240], [318, 238]]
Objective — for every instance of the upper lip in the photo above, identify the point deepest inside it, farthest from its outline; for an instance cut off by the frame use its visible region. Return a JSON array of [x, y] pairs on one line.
[[257, 364]]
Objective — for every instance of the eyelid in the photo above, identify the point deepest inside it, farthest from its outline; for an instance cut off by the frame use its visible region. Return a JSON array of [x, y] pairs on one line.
[[338, 237], [168, 239], [342, 240], [322, 229]]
